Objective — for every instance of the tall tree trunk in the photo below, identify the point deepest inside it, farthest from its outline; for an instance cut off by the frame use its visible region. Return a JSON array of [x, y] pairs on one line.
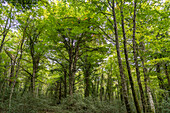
[[33, 77], [101, 87], [87, 89], [108, 90], [60, 92], [12, 69], [72, 70], [93, 85], [56, 94], [150, 104], [31, 85], [120, 92], [2, 43], [122, 75], [38, 90], [17, 69], [74, 86], [127, 64], [87, 69], [65, 83], [167, 75], [136, 61], [70, 81], [161, 82], [35, 60], [161, 85], [97, 88], [6, 29], [12, 72]]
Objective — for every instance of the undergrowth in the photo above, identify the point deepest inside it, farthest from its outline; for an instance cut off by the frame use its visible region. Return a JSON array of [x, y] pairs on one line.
[[78, 104], [72, 104]]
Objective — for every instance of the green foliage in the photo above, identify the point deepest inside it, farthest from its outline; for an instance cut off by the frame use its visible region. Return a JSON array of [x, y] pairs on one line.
[[25, 104], [71, 39], [164, 106], [78, 104], [25, 4]]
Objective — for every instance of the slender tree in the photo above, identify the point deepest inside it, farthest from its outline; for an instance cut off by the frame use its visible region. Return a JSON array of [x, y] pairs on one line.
[[127, 63], [122, 75], [136, 60]]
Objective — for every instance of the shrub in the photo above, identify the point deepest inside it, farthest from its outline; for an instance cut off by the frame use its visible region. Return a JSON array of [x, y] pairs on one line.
[[78, 104], [26, 104]]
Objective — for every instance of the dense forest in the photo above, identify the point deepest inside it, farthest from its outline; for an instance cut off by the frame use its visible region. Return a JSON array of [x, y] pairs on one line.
[[84, 56]]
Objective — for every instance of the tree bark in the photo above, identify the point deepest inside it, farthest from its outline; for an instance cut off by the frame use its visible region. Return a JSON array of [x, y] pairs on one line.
[[122, 75], [87, 89], [87, 75], [17, 68], [101, 87], [65, 83], [167, 75], [136, 60], [70, 80], [97, 88], [127, 64], [149, 99], [161, 82], [2, 43], [108, 90], [73, 52], [33, 78], [6, 29], [60, 94], [57, 92], [12, 72]]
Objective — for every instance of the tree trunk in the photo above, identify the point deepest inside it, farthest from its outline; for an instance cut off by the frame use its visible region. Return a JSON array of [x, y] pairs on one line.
[[74, 86], [97, 88], [37, 92], [167, 75], [56, 94], [136, 60], [87, 89], [161, 82], [33, 78], [6, 29], [60, 94], [87, 69], [94, 84], [127, 64], [65, 83], [108, 90], [101, 87], [17, 70], [70, 82], [2, 43], [122, 75], [12, 69], [150, 104], [12, 72], [72, 69]]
